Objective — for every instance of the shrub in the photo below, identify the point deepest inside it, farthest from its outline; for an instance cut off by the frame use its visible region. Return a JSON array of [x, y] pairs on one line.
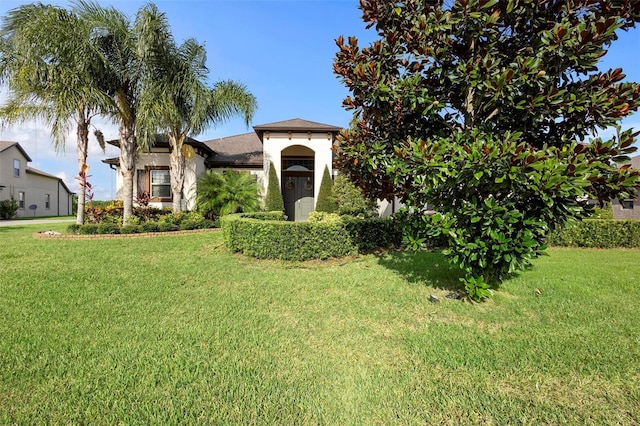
[[224, 193], [278, 239], [197, 223], [325, 202], [273, 201], [318, 216], [349, 199], [108, 228], [150, 227], [74, 228], [270, 215], [131, 229], [598, 233], [8, 208], [167, 227], [88, 229]]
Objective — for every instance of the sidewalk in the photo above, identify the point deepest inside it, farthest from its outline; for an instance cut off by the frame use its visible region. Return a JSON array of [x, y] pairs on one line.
[[34, 221]]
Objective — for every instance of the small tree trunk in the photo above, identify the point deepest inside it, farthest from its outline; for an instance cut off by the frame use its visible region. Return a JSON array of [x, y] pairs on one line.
[[127, 167], [82, 135], [176, 170]]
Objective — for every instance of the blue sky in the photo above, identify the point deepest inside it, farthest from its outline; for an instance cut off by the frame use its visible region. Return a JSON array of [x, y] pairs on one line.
[[282, 50]]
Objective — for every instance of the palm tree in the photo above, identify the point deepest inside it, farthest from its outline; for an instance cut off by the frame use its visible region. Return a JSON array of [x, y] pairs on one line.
[[126, 49], [52, 73], [177, 100], [225, 193]]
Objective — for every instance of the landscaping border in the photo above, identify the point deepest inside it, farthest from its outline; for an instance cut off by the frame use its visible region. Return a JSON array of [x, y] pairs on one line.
[[42, 236]]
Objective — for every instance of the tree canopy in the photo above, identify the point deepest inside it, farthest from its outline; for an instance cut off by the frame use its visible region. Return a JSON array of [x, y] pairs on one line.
[[484, 109]]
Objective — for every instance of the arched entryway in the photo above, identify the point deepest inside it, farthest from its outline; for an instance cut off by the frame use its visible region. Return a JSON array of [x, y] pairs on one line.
[[298, 163]]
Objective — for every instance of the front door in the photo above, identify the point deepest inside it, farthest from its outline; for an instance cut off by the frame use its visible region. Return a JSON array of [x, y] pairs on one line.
[[297, 192]]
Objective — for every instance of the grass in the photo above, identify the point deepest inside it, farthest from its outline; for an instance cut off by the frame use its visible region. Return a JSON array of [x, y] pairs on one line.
[[176, 330]]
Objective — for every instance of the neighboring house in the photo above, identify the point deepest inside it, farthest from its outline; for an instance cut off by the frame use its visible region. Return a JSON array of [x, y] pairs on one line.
[[37, 193], [628, 208], [299, 150]]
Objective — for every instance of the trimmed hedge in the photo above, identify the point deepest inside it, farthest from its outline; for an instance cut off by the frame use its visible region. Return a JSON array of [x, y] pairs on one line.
[[279, 239], [598, 233]]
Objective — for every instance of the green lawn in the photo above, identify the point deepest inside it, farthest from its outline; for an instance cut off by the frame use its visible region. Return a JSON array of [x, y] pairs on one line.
[[173, 329]]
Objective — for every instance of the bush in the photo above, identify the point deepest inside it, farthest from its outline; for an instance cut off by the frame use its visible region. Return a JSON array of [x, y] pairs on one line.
[[271, 215], [167, 227], [319, 216], [8, 208], [150, 227], [108, 228], [273, 201], [350, 200], [598, 233], [278, 239], [326, 203], [88, 229], [131, 229], [74, 228]]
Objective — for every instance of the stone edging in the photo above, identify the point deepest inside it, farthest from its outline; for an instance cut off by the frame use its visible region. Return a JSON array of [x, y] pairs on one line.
[[41, 236]]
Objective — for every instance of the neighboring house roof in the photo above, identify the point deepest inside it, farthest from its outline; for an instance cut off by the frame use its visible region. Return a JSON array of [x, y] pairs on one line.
[[47, 175], [4, 145], [240, 150]]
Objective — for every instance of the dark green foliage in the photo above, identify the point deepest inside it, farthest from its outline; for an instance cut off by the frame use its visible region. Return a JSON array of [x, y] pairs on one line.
[[108, 228], [594, 233], [88, 229], [169, 222], [350, 200], [325, 202], [8, 208], [481, 109], [149, 227], [131, 229], [278, 239], [273, 201], [74, 228], [225, 193], [269, 215], [196, 223], [167, 227]]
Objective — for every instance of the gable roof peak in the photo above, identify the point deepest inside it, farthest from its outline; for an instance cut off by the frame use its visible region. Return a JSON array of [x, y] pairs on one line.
[[297, 124]]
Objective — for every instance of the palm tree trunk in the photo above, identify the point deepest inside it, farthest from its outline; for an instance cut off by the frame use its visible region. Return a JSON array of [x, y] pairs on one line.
[[127, 168], [176, 170], [82, 135]]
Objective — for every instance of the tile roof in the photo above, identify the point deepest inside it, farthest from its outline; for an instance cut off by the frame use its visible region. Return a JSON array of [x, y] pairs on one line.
[[4, 145], [297, 124], [240, 150]]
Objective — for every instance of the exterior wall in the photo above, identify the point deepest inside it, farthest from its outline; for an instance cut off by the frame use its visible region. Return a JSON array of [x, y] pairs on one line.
[[632, 213], [12, 185], [35, 187], [194, 167], [318, 143]]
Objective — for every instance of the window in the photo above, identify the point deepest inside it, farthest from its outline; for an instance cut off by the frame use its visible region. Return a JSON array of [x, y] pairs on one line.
[[47, 201], [627, 204], [16, 168], [160, 183], [21, 198]]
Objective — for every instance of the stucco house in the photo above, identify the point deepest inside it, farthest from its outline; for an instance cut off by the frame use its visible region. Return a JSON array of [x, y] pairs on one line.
[[38, 193], [628, 208], [298, 149]]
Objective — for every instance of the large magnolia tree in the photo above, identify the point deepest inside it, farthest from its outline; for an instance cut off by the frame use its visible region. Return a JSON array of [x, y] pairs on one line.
[[486, 109]]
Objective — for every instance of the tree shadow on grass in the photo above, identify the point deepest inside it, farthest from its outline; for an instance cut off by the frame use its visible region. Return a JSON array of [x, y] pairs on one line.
[[423, 267]]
